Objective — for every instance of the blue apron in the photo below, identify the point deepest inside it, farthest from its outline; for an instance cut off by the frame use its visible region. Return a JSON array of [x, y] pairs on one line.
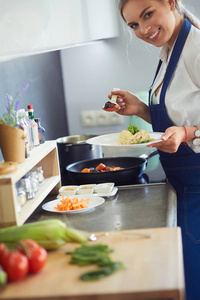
[[183, 172]]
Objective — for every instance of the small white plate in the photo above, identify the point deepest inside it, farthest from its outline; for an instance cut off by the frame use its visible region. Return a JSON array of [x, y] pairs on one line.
[[86, 189], [112, 138], [110, 194], [94, 202], [68, 190], [104, 188]]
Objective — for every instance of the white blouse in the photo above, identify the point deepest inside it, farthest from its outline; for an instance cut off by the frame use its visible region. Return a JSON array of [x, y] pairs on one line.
[[182, 99]]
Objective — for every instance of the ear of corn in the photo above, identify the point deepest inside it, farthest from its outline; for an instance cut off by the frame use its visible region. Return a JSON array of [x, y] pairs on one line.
[[50, 234]]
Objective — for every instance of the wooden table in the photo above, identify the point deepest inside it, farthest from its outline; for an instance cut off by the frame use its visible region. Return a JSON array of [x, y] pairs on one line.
[[154, 270]]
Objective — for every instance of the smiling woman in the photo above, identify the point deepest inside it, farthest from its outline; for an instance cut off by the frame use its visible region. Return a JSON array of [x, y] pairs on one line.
[[154, 21], [179, 7]]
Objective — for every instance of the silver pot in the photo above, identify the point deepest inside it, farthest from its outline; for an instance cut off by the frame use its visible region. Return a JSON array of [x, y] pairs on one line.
[[74, 148]]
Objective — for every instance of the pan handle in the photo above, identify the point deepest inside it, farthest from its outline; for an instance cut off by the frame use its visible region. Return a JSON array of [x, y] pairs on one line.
[[149, 155], [145, 156]]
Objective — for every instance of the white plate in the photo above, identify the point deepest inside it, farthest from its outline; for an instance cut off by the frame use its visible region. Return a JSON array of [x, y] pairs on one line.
[[94, 202], [112, 138]]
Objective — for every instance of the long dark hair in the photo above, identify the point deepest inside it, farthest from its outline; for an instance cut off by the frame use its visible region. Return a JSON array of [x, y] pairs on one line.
[[179, 7]]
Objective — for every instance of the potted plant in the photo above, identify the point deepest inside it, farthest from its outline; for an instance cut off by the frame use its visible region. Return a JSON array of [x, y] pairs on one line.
[[12, 138]]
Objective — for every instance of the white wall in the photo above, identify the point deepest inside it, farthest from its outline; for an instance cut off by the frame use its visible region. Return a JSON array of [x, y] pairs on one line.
[[90, 72]]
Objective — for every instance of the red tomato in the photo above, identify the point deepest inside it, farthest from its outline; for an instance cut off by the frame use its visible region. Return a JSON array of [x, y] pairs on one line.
[[111, 108], [28, 244], [37, 259], [16, 266], [3, 253], [100, 167], [37, 255]]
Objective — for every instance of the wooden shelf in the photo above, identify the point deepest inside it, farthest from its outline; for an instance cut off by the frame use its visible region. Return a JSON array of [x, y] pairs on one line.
[[45, 155]]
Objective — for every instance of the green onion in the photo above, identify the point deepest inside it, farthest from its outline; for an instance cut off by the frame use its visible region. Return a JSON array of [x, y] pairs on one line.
[[133, 129]]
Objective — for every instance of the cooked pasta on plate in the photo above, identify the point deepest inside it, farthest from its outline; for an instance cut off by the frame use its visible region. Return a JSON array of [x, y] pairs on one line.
[[112, 140]]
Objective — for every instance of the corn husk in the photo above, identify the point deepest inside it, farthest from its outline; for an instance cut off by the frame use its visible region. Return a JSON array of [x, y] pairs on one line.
[[50, 234]]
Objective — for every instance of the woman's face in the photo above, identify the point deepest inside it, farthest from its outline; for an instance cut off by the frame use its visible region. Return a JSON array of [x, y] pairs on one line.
[[152, 21]]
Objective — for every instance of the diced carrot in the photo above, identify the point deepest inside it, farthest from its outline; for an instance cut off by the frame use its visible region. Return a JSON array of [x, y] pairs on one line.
[[107, 168], [67, 204], [116, 168], [86, 170]]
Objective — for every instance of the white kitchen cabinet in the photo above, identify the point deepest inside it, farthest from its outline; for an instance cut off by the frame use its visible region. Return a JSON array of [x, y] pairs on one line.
[[45, 155], [34, 26]]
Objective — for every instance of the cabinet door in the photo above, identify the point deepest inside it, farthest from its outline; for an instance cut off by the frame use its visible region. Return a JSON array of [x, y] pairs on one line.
[[100, 19], [35, 26]]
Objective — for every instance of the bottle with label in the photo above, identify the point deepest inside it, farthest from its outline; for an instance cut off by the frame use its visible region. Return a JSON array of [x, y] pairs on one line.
[[21, 123], [27, 124], [30, 125], [34, 127], [41, 131]]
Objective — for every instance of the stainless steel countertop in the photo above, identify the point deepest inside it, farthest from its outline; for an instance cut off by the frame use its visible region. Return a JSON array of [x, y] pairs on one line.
[[146, 206]]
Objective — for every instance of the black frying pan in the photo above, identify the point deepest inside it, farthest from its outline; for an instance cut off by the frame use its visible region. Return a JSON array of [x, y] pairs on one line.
[[133, 168]]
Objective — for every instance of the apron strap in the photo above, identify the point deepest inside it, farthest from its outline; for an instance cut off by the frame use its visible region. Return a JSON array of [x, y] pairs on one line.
[[157, 70], [178, 47]]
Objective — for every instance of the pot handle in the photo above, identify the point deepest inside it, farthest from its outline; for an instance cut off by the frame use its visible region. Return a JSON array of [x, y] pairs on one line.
[[91, 147]]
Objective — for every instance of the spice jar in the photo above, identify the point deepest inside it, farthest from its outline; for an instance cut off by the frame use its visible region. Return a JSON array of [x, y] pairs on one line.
[[34, 180], [28, 187], [21, 195], [40, 174]]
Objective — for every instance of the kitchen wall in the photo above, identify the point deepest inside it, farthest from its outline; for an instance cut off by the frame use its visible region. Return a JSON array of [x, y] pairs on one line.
[[45, 92], [90, 72]]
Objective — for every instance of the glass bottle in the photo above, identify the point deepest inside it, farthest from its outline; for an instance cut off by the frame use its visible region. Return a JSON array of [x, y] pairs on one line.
[[28, 187], [34, 180], [26, 124], [21, 123], [34, 126], [41, 131], [30, 125], [21, 195], [40, 174]]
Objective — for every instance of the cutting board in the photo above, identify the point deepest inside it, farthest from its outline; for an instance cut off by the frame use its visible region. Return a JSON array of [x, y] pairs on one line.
[[154, 270]]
